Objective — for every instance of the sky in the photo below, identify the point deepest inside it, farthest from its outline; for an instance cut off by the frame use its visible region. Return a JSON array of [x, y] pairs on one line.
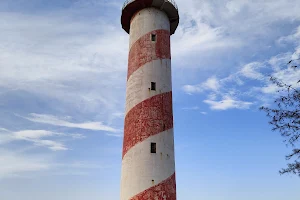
[[63, 66]]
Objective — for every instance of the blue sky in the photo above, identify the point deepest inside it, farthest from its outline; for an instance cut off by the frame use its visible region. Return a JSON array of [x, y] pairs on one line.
[[62, 94]]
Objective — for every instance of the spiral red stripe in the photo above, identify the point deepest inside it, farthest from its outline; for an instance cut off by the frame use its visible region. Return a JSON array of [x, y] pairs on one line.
[[144, 50], [162, 191], [148, 118]]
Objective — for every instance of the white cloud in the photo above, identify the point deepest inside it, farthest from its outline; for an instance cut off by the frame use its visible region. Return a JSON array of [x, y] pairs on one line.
[[212, 33], [191, 108], [224, 93], [55, 121], [251, 71], [290, 38], [67, 61], [269, 89], [212, 96], [77, 136], [118, 114], [227, 103], [288, 76], [190, 89], [115, 135], [278, 62], [38, 138], [53, 145], [211, 84], [231, 88], [200, 37], [293, 38], [33, 134], [234, 7]]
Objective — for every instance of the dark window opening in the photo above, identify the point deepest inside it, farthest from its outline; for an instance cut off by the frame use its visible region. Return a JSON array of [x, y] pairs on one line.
[[153, 147], [153, 86], [153, 37]]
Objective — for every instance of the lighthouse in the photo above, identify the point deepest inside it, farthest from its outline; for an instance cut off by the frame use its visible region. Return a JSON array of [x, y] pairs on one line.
[[148, 159]]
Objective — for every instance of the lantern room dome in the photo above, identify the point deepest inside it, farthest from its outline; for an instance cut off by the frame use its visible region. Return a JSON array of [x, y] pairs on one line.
[[130, 7]]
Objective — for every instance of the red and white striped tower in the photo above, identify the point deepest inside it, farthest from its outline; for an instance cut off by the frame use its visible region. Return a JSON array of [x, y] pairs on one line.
[[148, 165]]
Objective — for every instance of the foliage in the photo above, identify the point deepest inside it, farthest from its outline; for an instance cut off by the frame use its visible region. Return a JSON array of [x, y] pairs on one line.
[[285, 118]]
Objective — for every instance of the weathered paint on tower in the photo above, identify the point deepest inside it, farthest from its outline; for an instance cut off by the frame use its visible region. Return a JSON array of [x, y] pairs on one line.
[[148, 164]]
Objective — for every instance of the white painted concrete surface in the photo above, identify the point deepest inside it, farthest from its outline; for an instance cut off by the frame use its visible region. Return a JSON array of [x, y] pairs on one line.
[[138, 84], [140, 167], [145, 21]]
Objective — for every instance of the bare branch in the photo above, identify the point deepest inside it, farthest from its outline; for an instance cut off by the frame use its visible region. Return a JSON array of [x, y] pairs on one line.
[[286, 118]]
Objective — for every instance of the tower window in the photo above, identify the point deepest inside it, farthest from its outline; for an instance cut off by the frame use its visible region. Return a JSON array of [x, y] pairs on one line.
[[153, 147], [153, 37], [153, 86]]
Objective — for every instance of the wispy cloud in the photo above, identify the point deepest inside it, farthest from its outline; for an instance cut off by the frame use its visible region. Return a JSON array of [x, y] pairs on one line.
[[36, 137], [251, 71], [63, 62], [56, 121], [290, 38], [15, 164], [211, 83], [228, 103], [226, 93], [33, 134], [41, 138], [210, 31], [118, 135], [191, 108], [233, 87]]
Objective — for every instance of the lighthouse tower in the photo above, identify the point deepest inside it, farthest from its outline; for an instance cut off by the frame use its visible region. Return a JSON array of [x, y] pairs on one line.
[[148, 164]]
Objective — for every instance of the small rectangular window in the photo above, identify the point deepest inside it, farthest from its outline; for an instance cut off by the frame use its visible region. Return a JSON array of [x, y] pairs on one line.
[[153, 147], [153, 37], [153, 86]]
